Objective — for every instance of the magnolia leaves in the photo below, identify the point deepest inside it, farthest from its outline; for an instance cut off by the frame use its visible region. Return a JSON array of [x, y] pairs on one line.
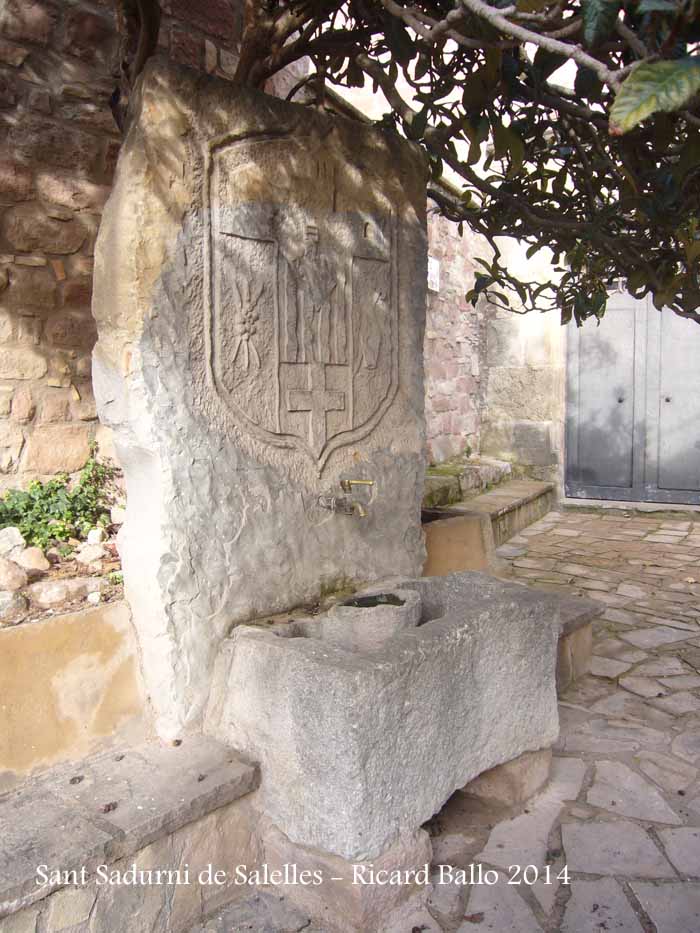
[[652, 87]]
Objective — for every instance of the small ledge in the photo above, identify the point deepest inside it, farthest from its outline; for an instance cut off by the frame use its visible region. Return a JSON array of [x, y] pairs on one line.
[[108, 807]]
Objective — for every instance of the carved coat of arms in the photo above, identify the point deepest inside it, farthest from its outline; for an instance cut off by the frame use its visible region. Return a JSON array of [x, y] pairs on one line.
[[303, 323]]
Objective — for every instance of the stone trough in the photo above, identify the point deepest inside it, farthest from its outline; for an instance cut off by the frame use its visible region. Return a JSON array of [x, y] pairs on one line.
[[366, 719]]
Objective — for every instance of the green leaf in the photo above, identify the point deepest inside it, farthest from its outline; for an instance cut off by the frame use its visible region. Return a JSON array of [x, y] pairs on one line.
[[653, 87], [657, 6], [599, 18]]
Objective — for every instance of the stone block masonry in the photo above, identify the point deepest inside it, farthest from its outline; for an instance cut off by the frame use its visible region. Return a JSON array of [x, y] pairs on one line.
[[58, 148]]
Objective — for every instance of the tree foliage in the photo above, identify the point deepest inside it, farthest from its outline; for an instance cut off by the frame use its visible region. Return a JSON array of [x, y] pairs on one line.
[[599, 161]]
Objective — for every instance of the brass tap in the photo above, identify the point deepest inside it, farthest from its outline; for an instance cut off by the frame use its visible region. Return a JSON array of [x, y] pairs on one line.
[[347, 484]]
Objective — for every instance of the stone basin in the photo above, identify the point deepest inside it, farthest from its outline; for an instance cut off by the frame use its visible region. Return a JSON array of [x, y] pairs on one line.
[[365, 720]]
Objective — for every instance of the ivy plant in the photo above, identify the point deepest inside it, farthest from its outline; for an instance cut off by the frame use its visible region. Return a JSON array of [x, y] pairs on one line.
[[55, 511]]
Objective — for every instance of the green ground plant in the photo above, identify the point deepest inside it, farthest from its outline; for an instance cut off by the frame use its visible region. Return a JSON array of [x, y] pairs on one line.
[[55, 511]]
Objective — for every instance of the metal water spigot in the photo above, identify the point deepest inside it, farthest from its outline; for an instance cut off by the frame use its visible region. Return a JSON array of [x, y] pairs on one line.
[[347, 484], [344, 505]]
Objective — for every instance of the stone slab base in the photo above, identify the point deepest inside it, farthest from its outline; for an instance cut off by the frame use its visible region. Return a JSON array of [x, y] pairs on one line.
[[350, 896], [461, 543], [574, 656], [70, 835], [514, 782]]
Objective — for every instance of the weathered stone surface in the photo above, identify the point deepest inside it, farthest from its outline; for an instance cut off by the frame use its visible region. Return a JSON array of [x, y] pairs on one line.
[[32, 560], [599, 905], [16, 363], [89, 553], [642, 686], [69, 907], [15, 180], [653, 637], [613, 848], [30, 289], [13, 608], [499, 908], [672, 907], [12, 577], [228, 358], [71, 192], [27, 227], [347, 782], [523, 840], [344, 905], [57, 448], [10, 540], [606, 667], [682, 847], [621, 790], [50, 593], [513, 782], [258, 912], [687, 746], [670, 773], [27, 20]]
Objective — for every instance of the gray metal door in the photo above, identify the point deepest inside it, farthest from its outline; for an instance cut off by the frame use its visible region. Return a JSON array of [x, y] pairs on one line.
[[633, 406]]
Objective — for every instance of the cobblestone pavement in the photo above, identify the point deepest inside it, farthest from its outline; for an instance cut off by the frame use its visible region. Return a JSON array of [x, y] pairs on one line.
[[620, 819]]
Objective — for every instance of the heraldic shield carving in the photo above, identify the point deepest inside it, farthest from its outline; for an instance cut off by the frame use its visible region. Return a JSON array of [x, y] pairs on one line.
[[302, 306]]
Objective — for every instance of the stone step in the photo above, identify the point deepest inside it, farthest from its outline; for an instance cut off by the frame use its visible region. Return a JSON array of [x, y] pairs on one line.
[[461, 479], [511, 507], [77, 817]]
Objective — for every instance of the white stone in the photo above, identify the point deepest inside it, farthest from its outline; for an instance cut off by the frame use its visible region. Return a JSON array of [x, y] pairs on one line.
[[642, 686], [652, 637], [117, 515], [621, 790], [96, 536], [606, 667], [599, 905], [670, 773], [93, 599], [523, 840], [613, 848], [687, 745], [344, 772], [10, 539], [503, 909], [205, 387], [673, 908], [678, 704], [90, 553], [50, 593], [13, 608], [12, 577], [32, 560], [682, 847], [69, 907]]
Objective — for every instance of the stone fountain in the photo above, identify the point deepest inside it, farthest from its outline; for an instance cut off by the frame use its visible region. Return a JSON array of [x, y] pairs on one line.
[[260, 297]]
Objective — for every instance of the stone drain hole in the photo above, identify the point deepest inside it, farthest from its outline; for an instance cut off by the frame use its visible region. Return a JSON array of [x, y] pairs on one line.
[[375, 600]]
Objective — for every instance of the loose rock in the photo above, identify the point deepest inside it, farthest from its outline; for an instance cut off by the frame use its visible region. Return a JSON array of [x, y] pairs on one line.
[[96, 536], [12, 577], [117, 515], [90, 553], [10, 539], [50, 593], [13, 608], [32, 559]]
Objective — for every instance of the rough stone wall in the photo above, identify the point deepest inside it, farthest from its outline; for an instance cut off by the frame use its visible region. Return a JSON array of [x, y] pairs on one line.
[[525, 391], [58, 148], [454, 345]]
